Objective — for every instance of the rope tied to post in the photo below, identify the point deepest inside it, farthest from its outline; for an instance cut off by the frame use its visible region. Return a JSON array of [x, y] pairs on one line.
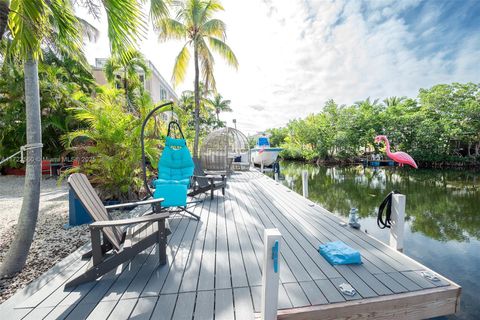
[[386, 204], [23, 149]]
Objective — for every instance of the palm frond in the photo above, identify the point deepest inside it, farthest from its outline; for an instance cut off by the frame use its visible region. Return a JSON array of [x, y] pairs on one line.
[[181, 65], [224, 50], [111, 67], [159, 10], [126, 24], [27, 23], [170, 29], [209, 8], [207, 61], [88, 30], [215, 28]]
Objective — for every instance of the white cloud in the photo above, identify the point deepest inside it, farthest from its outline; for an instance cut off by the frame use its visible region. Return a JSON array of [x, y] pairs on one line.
[[294, 55]]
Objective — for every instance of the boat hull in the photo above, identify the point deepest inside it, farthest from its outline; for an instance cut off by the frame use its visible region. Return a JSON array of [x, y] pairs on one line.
[[268, 156]]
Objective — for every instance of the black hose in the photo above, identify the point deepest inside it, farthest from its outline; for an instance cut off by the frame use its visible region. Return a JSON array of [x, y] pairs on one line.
[[386, 203], [142, 142]]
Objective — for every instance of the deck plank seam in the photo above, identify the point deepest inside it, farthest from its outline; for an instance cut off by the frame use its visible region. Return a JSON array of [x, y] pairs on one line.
[[201, 259], [248, 209], [233, 224]]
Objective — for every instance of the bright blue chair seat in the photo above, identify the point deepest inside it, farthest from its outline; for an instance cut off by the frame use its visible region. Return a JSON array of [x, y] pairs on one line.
[[163, 181], [175, 168], [175, 195]]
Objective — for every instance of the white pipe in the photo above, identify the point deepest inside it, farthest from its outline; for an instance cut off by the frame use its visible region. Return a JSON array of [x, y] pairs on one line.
[[398, 221], [305, 183]]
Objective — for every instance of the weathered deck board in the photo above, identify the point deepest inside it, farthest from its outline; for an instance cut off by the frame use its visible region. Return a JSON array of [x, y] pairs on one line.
[[213, 268]]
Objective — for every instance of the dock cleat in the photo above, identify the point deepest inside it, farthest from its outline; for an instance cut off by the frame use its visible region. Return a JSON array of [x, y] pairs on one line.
[[430, 276], [347, 289]]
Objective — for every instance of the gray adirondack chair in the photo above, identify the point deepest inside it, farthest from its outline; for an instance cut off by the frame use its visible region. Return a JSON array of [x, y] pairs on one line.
[[118, 245], [202, 182]]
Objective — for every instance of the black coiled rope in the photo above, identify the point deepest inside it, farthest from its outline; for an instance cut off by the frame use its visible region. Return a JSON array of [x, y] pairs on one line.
[[386, 203]]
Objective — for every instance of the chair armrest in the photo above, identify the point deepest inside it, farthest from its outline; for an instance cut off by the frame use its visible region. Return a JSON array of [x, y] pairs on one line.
[[124, 222], [137, 203], [211, 177]]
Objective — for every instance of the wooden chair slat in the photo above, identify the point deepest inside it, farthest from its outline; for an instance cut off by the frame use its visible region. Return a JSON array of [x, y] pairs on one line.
[[94, 206]]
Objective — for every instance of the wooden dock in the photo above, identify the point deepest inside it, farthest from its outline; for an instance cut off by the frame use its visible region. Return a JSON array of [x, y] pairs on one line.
[[214, 269]]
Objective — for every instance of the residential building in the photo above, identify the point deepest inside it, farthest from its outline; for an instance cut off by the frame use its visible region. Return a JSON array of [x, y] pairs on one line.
[[159, 89], [156, 85]]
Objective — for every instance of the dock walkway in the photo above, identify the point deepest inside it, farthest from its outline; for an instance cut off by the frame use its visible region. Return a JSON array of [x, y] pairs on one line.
[[214, 269]]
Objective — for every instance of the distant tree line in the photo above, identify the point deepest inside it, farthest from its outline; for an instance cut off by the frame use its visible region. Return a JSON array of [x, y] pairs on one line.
[[440, 127]]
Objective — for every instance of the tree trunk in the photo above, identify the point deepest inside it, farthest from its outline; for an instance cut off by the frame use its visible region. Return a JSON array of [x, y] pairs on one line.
[[125, 88], [18, 251], [197, 104], [218, 115], [4, 11]]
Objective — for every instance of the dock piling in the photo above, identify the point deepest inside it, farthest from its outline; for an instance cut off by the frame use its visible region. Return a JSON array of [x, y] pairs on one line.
[[398, 221], [305, 183], [271, 273]]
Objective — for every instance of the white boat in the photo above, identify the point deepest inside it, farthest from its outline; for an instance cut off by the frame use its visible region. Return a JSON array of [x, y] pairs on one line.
[[263, 153]]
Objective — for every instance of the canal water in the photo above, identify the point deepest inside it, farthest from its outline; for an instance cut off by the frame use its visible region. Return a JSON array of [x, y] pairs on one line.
[[442, 214]]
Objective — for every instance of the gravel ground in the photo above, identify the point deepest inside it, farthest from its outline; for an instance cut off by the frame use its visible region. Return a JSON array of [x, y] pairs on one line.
[[52, 242]]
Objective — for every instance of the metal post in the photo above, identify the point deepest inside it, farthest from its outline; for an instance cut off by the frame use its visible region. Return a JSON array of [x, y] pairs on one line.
[[398, 221], [271, 273], [305, 183], [276, 176], [261, 167]]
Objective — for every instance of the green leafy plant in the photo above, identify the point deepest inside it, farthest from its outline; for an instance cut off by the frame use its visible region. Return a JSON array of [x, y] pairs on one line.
[[111, 142]]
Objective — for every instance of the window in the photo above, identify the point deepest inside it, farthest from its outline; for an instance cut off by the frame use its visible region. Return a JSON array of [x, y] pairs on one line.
[[163, 94]]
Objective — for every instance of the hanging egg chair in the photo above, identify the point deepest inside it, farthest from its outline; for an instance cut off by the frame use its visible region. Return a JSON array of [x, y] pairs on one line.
[[225, 149]]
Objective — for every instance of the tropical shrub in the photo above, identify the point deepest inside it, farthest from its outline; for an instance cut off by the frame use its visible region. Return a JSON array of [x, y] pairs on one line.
[[111, 141], [64, 84]]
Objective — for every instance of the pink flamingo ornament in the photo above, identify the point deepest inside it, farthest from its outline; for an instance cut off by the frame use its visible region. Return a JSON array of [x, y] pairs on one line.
[[400, 157]]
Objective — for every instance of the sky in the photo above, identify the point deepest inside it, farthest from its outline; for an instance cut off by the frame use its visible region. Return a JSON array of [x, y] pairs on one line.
[[294, 55]]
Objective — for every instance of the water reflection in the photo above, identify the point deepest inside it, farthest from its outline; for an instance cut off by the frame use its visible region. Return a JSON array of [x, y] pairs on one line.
[[441, 204]]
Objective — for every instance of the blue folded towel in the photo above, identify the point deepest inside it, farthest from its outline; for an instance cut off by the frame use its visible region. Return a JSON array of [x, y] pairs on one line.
[[339, 253]]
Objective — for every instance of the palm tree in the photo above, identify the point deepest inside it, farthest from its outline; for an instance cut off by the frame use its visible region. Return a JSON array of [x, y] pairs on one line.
[[219, 105], [130, 66], [393, 101], [194, 23], [31, 24]]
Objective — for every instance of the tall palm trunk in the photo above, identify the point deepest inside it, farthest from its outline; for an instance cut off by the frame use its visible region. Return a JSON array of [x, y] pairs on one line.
[[197, 104], [18, 252], [126, 89], [218, 115]]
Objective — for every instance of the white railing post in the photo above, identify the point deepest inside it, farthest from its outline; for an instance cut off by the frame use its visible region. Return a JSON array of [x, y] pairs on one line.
[[270, 273], [398, 221], [276, 176], [305, 183], [261, 166]]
